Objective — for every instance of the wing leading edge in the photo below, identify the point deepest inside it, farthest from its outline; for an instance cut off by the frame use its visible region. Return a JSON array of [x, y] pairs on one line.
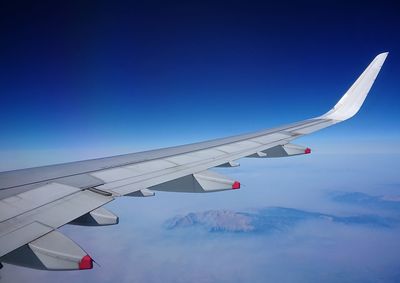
[[35, 202]]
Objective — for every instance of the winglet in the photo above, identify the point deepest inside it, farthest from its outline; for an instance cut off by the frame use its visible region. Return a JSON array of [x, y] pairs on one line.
[[352, 100]]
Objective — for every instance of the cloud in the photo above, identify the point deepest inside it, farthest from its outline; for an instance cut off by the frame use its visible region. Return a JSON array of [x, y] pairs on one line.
[[234, 246], [303, 245]]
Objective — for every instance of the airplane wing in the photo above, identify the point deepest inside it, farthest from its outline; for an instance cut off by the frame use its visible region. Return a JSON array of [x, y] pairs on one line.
[[35, 202]]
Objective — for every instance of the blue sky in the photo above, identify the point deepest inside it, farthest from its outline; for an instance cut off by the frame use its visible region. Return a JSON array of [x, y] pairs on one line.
[[79, 78], [85, 80]]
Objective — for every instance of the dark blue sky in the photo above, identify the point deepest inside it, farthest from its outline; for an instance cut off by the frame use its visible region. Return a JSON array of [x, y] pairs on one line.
[[79, 75]]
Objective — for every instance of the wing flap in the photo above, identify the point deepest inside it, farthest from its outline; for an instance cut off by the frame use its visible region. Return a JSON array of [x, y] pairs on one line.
[[21, 236], [24, 202], [130, 185], [51, 215]]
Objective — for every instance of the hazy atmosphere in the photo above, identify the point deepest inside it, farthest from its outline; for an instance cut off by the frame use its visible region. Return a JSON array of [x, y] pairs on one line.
[[295, 220], [80, 80]]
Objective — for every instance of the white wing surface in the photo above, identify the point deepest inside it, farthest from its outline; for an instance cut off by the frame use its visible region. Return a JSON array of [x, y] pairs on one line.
[[35, 202]]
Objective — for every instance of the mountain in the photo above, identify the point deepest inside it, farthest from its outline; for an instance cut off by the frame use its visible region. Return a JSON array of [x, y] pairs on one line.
[[388, 202], [265, 220], [215, 220]]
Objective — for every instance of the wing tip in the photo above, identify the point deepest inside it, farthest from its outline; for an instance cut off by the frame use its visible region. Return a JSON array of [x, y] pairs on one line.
[[353, 99], [383, 54], [382, 57]]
